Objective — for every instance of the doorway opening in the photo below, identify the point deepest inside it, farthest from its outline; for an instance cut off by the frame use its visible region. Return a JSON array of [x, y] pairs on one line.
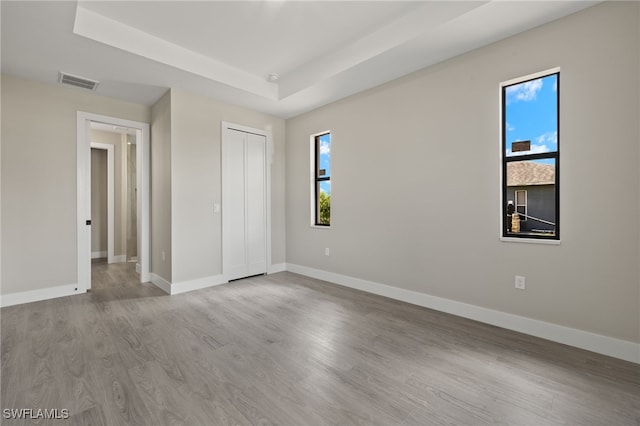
[[113, 198], [113, 193]]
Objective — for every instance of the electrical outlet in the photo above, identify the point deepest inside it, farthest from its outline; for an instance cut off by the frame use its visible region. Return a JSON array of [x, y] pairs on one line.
[[164, 257], [326, 251], [520, 282]]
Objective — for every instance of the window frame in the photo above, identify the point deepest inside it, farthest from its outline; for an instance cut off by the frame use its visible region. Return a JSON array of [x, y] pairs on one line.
[[504, 160], [316, 179]]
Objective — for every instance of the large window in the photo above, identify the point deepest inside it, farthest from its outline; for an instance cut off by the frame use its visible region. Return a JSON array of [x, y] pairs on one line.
[[321, 163], [531, 156]]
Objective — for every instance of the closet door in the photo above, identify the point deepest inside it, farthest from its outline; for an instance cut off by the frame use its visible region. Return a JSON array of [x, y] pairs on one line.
[[256, 237], [243, 204]]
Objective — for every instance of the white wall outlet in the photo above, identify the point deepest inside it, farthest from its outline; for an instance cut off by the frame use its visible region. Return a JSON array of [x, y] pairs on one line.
[[326, 251], [520, 282], [164, 256], [216, 207]]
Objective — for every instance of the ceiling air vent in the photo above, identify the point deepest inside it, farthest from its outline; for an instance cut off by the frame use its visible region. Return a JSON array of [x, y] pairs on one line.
[[74, 80]]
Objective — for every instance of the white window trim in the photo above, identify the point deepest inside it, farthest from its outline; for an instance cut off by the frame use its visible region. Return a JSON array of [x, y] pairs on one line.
[[312, 179], [502, 200], [529, 241], [528, 77]]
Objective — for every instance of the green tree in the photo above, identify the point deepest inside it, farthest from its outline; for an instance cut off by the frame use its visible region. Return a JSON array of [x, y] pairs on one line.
[[325, 208]]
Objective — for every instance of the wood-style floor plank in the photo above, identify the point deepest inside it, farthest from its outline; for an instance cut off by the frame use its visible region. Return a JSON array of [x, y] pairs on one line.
[[290, 350]]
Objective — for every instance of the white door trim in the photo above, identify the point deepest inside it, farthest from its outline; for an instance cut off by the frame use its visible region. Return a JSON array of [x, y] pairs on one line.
[[110, 196], [226, 126], [83, 149]]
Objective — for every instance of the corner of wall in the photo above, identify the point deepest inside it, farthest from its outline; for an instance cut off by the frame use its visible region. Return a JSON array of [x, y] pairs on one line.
[[638, 74], [160, 141]]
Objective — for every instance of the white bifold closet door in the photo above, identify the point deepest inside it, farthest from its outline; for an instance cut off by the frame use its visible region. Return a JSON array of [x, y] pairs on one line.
[[244, 224]]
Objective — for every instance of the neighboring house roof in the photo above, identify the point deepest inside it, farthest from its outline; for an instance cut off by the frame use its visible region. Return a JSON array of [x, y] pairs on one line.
[[524, 173]]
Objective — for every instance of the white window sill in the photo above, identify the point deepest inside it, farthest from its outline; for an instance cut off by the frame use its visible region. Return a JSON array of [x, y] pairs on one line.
[[530, 241], [321, 227]]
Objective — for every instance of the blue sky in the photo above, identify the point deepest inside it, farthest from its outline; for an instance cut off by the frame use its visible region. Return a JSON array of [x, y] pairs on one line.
[[532, 114], [325, 161]]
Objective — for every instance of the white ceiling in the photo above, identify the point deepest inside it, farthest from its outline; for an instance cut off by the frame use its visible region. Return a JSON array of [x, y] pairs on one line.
[[322, 51]]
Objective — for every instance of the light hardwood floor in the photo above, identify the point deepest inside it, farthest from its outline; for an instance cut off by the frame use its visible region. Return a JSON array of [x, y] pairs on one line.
[[289, 350]]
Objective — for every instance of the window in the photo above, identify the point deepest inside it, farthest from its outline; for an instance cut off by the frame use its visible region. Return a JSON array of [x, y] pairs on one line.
[[521, 204], [321, 191], [531, 156]]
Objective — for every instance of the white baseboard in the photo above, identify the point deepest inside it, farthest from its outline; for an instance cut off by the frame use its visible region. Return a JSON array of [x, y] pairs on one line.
[[617, 348], [38, 295], [98, 254], [121, 258], [185, 286], [275, 268], [161, 283], [197, 284]]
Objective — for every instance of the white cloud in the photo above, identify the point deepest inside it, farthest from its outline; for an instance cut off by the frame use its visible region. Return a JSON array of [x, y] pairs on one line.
[[510, 127], [538, 149], [548, 138], [555, 85], [526, 91], [325, 148]]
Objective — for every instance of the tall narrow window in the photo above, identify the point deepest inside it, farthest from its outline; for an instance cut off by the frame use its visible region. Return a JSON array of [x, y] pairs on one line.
[[531, 156], [321, 145]]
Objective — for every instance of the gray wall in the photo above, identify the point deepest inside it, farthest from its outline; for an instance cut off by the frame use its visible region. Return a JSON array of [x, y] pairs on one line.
[[39, 179], [99, 202], [638, 121], [189, 127], [132, 201], [161, 187], [409, 156]]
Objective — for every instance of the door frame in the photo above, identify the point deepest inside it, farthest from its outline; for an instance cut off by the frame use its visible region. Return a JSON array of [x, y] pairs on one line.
[[225, 127], [83, 145], [110, 196]]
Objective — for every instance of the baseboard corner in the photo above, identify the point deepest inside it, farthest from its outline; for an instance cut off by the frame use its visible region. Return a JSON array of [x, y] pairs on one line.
[[197, 284], [161, 283], [277, 267]]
